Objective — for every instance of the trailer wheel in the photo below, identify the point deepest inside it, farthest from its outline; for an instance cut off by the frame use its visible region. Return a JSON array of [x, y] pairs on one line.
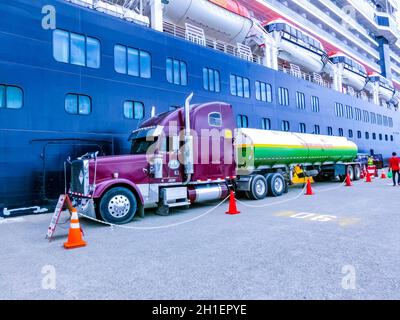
[[276, 185], [357, 172], [258, 188], [350, 172], [118, 206]]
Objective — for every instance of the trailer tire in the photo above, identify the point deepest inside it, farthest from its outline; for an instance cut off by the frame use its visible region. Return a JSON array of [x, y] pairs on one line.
[[118, 205], [276, 185], [357, 172], [258, 188], [350, 172]]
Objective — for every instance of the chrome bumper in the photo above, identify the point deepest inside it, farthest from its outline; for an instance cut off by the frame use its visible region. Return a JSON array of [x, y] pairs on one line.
[[85, 207]]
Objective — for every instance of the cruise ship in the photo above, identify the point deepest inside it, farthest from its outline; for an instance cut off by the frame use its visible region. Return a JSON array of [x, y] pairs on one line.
[[78, 76]]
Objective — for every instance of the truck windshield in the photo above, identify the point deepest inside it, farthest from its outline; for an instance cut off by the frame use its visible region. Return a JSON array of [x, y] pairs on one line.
[[141, 145]]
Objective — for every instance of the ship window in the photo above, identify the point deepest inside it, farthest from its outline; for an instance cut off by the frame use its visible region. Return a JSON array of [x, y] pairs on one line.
[[390, 122], [134, 110], [380, 137], [391, 138], [365, 116], [93, 53], [367, 135], [76, 49], [242, 121], [11, 97], [341, 134], [330, 131], [317, 129], [2, 96], [359, 134], [379, 119], [145, 64], [300, 100], [246, 87], [386, 137], [134, 62], [315, 104], [285, 126], [385, 121], [373, 136], [78, 104], [349, 112], [358, 114], [302, 128], [263, 91], [339, 110], [176, 72], [211, 80], [266, 123], [283, 96], [61, 46], [351, 133], [373, 117], [215, 119], [240, 86]]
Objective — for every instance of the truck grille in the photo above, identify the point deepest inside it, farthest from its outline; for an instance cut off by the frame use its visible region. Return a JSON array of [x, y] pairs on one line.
[[80, 177]]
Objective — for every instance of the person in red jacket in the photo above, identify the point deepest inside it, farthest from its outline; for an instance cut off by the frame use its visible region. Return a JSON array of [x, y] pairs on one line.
[[394, 166]]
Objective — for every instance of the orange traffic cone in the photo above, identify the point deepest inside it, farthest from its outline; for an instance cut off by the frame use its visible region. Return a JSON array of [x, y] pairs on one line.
[[383, 175], [309, 188], [348, 181], [232, 204], [75, 234], [368, 177]]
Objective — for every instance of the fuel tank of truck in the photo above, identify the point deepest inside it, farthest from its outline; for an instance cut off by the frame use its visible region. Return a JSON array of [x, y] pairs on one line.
[[257, 148]]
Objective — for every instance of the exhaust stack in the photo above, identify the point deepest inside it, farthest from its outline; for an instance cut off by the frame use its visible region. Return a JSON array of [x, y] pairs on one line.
[[189, 155]]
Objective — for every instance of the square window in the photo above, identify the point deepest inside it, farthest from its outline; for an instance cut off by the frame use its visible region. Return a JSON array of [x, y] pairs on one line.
[[120, 59], [61, 46], [14, 97], [93, 53], [78, 50]]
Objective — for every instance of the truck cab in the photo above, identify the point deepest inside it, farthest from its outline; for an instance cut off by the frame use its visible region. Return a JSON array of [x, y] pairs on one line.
[[177, 158]]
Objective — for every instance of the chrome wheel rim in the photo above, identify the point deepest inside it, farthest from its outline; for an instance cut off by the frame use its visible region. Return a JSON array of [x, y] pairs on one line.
[[278, 185], [119, 206], [260, 187]]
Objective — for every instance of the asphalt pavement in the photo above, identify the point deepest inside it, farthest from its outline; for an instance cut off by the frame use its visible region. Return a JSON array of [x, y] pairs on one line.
[[341, 243]]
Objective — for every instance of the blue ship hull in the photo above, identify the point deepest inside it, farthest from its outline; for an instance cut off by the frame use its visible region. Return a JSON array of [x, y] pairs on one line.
[[36, 140]]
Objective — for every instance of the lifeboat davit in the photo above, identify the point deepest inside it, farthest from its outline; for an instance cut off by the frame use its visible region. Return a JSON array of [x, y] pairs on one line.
[[386, 88], [225, 20], [297, 46], [354, 74]]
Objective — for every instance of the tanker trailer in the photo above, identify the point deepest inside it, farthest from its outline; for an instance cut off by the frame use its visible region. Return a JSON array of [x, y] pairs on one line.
[[267, 160]]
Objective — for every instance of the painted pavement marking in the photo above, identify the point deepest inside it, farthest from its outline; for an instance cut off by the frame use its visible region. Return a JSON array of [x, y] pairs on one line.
[[317, 217]]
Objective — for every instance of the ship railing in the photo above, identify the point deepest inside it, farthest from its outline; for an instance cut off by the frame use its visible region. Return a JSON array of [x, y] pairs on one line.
[[196, 35], [295, 71]]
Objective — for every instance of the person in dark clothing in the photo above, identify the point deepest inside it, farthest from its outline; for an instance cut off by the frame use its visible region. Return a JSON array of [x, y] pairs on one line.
[[394, 166]]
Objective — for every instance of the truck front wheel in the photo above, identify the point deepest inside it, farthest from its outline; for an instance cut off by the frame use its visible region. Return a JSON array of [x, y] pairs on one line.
[[118, 205]]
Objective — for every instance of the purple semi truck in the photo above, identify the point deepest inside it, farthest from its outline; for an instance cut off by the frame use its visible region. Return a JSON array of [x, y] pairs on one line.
[[195, 154]]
